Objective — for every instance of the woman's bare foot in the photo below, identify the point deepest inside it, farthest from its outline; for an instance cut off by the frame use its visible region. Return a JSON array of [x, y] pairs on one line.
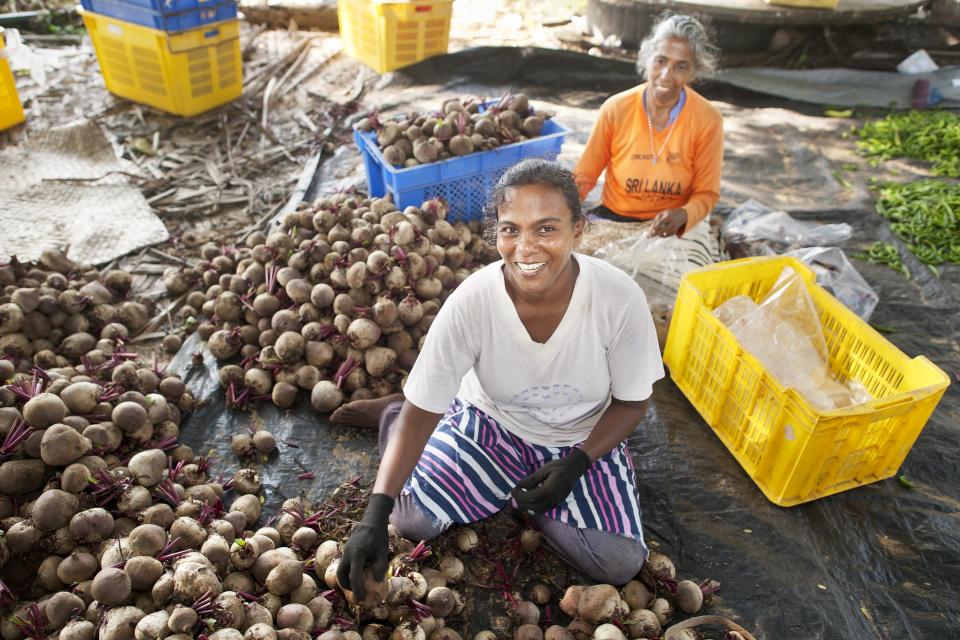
[[363, 413]]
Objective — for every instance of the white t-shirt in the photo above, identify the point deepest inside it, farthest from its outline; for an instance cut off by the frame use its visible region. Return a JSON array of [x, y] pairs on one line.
[[549, 394]]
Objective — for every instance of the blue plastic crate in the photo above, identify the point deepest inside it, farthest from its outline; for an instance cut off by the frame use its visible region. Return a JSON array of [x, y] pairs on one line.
[[172, 6], [464, 182], [164, 18]]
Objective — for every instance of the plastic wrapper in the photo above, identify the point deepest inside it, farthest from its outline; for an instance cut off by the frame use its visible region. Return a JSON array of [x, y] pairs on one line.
[[656, 264], [784, 333], [837, 275], [754, 229]]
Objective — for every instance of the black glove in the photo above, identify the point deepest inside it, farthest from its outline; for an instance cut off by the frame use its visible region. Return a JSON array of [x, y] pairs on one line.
[[368, 545], [549, 485]]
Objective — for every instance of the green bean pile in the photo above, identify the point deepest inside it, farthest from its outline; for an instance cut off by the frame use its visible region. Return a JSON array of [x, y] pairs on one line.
[[884, 253], [933, 136], [925, 214]]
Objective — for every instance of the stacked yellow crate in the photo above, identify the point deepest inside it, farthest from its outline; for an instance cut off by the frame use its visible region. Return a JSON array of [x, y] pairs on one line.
[[11, 112], [185, 71]]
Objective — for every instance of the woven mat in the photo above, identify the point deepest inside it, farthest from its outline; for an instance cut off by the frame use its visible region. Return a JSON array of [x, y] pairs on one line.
[[63, 187]]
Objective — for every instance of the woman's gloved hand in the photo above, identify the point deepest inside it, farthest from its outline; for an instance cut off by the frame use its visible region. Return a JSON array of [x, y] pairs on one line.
[[367, 546], [549, 485]]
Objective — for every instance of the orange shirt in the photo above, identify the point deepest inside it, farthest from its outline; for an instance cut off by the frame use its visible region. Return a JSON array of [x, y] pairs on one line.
[[686, 174]]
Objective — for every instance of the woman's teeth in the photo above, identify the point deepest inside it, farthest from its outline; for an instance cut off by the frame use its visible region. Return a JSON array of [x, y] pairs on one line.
[[530, 267]]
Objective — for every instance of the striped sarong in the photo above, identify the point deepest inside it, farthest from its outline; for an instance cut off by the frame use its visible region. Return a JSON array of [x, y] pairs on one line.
[[471, 463]]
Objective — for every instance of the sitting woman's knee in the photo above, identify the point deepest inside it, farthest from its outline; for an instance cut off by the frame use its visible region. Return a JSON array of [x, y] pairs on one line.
[[621, 567], [412, 522]]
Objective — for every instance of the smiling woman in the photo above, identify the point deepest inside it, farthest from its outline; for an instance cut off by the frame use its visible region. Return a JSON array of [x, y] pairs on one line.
[[533, 374], [660, 143]]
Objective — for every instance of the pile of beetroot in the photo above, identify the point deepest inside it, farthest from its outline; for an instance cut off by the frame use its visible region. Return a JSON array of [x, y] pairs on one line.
[[461, 127], [113, 529], [335, 302]]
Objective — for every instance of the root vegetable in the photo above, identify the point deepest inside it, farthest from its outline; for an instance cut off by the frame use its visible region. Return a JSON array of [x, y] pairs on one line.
[[223, 345], [144, 571], [642, 623], [295, 616], [54, 509], [326, 397], [657, 566], [662, 608], [61, 445], [249, 506], [111, 587], [146, 540], [152, 626], [91, 525], [363, 333], [80, 397], [76, 567], [11, 318], [193, 579], [689, 596], [148, 466], [129, 416], [598, 603], [43, 410], [190, 532], [78, 630], [410, 310], [260, 631], [120, 623], [556, 632], [636, 595], [452, 569], [530, 540], [379, 361], [61, 607], [264, 441], [289, 347], [441, 601], [527, 613], [608, 632], [580, 629], [540, 594], [529, 632], [466, 539], [21, 476], [285, 577]]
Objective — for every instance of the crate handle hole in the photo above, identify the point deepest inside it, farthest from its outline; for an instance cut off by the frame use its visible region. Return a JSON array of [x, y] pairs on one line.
[[212, 33], [421, 8]]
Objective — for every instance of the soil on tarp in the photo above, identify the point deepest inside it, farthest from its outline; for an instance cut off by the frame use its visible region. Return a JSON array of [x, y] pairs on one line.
[[880, 561]]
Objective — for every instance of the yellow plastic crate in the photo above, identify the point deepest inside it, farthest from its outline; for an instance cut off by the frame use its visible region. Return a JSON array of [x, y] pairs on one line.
[[390, 35], [11, 111], [184, 73], [794, 452]]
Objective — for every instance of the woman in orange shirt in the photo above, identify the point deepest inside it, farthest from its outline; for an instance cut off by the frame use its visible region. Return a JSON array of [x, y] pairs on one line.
[[661, 143]]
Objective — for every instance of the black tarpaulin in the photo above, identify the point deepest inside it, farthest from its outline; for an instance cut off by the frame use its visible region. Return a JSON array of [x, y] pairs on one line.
[[878, 562]]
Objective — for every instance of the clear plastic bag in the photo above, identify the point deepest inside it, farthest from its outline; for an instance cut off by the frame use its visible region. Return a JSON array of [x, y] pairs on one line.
[[656, 264], [837, 275], [754, 227], [784, 333]]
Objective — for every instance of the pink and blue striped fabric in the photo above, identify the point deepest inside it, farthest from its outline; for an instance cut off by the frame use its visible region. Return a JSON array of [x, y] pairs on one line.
[[471, 463]]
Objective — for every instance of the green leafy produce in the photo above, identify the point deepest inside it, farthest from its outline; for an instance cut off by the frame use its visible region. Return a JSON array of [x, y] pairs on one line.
[[884, 253], [933, 136], [925, 214]]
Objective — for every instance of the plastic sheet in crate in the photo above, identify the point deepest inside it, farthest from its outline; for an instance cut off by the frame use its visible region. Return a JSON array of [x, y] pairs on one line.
[[143, 14], [464, 182]]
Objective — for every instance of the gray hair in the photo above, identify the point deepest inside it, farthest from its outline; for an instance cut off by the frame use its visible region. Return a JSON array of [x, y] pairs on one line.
[[688, 28]]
